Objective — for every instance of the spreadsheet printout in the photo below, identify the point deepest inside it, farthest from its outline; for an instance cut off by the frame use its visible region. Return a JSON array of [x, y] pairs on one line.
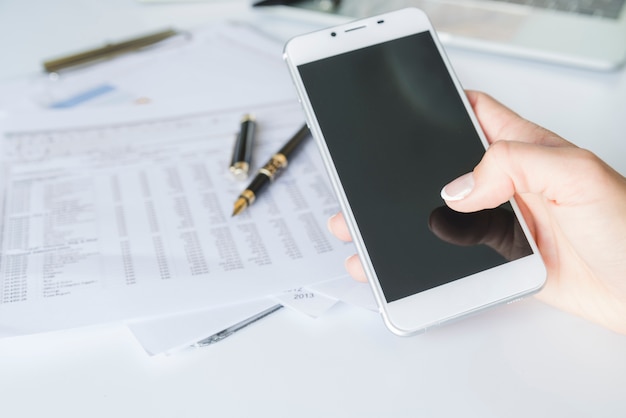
[[113, 220]]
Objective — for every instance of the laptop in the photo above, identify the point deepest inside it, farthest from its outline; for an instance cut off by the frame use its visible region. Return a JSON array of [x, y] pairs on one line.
[[582, 33]]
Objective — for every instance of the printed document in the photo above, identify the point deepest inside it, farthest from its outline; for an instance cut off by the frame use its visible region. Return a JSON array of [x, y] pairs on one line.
[[111, 219]]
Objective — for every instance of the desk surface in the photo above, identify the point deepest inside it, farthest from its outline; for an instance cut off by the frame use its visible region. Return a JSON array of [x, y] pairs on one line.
[[524, 359]]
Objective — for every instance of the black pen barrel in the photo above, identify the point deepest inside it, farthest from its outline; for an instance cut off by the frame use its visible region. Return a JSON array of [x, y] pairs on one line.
[[259, 182], [288, 149]]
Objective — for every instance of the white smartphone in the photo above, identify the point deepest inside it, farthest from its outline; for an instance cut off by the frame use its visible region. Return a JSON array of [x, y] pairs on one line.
[[394, 126]]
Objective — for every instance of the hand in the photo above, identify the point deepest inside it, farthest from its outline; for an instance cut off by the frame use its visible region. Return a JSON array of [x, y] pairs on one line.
[[573, 203]]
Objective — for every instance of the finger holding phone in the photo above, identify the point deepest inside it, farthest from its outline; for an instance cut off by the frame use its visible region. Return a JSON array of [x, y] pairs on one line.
[[574, 204]]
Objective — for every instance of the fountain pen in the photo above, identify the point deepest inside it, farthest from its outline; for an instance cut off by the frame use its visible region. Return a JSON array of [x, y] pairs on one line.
[[270, 170]]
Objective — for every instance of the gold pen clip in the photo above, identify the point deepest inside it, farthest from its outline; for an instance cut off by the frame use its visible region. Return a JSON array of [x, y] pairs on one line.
[[108, 51]]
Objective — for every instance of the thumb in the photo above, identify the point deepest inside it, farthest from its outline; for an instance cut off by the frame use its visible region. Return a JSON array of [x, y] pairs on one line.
[[559, 174]]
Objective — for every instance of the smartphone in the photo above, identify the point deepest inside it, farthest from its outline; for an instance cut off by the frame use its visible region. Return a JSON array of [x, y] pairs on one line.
[[393, 126]]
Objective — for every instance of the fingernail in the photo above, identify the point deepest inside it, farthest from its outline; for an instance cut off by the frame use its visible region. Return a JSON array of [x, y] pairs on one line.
[[459, 188], [329, 221]]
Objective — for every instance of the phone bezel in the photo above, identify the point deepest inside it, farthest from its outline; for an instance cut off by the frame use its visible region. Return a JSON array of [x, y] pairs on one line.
[[422, 310]]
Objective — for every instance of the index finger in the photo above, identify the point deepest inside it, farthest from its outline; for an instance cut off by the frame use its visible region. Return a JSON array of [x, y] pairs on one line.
[[498, 122]]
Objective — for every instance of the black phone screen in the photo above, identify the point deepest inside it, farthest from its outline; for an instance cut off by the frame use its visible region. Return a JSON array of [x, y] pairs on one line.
[[397, 132]]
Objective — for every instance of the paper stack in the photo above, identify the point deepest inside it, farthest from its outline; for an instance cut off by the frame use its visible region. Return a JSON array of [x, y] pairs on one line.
[[116, 196]]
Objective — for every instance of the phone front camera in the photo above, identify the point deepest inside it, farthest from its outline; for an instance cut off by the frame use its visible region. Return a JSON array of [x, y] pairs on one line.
[[333, 34]]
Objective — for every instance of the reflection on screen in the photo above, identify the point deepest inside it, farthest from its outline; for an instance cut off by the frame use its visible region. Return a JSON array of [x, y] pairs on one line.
[[398, 132]]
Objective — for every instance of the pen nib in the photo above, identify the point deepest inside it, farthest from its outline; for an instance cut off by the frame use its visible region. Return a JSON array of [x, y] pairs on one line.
[[240, 205]]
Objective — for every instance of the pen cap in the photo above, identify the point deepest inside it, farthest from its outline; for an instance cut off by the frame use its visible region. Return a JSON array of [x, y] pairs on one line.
[[242, 151]]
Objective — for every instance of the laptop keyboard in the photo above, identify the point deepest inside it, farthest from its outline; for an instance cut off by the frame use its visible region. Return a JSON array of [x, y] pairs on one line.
[[602, 8]]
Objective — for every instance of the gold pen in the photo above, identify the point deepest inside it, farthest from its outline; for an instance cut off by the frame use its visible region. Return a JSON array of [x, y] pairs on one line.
[[107, 51], [270, 170]]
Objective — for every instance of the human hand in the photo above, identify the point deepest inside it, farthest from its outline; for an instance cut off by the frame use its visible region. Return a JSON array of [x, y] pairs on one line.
[[573, 203]]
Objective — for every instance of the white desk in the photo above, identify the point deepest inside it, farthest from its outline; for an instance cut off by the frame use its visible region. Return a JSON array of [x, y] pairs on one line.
[[520, 360]]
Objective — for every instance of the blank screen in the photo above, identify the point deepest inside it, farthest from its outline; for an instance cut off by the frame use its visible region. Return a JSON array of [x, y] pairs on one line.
[[397, 132]]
